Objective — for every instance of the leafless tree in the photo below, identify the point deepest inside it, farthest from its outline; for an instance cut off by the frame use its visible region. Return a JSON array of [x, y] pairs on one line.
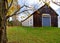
[[57, 2]]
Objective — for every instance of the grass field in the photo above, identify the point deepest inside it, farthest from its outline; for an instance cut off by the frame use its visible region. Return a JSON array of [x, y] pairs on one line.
[[33, 35]]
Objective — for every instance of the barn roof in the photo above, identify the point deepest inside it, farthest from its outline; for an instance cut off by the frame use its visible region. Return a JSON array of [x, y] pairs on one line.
[[56, 11], [54, 7], [46, 7]]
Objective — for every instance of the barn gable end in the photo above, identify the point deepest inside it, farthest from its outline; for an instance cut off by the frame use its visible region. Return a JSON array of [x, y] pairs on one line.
[[37, 16], [44, 16]]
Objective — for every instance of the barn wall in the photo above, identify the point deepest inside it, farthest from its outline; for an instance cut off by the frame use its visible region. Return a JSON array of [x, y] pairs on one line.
[[28, 22], [45, 10], [59, 21], [37, 20]]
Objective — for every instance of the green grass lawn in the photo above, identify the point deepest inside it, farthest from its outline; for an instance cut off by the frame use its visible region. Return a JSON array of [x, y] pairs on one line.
[[33, 35]]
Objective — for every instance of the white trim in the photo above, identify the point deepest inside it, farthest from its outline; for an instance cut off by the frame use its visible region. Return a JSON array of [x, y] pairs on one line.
[[46, 15], [58, 21]]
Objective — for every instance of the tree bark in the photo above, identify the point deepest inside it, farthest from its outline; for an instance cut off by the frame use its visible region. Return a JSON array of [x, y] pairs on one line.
[[3, 32], [3, 35]]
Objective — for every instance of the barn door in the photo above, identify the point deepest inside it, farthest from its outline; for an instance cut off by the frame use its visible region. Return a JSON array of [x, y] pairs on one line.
[[46, 20]]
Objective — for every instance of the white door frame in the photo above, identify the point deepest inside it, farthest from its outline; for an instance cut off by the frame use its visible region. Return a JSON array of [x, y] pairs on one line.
[[46, 16]]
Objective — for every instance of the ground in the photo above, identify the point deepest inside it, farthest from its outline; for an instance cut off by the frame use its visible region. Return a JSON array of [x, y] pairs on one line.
[[33, 34]]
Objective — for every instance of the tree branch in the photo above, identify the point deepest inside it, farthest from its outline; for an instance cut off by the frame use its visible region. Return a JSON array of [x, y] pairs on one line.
[[10, 5], [7, 3], [22, 11], [57, 3], [15, 13], [25, 6], [44, 1]]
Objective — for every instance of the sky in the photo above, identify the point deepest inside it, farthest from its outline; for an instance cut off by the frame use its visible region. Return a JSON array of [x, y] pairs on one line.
[[33, 2], [37, 5]]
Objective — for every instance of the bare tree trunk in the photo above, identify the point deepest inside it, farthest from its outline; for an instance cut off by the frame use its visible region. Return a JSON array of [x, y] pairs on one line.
[[3, 32], [3, 35]]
